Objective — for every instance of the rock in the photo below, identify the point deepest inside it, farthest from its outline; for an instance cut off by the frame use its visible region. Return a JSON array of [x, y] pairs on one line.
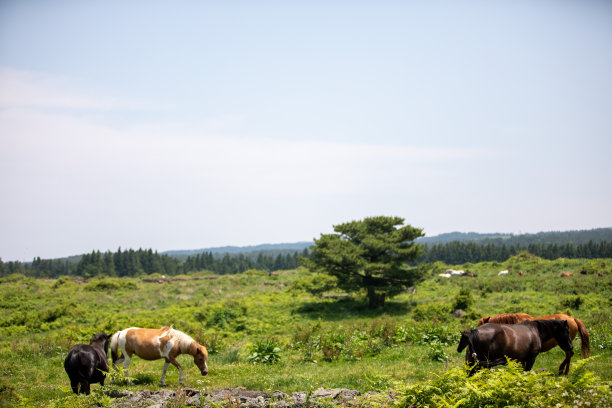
[[238, 397], [459, 313]]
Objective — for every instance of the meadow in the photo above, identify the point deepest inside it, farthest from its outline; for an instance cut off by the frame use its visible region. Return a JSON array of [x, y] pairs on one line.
[[268, 333]]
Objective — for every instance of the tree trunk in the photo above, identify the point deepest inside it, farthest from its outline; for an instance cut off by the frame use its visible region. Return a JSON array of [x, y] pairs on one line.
[[376, 299]]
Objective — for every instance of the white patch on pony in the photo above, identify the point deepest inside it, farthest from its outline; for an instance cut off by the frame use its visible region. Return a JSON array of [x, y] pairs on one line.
[[122, 339]]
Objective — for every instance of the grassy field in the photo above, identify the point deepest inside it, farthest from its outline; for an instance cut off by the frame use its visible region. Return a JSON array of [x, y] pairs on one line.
[[321, 342]]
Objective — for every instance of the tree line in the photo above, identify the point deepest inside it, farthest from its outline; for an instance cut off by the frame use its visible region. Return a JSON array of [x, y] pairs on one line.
[[456, 252], [145, 262], [231, 264], [142, 262]]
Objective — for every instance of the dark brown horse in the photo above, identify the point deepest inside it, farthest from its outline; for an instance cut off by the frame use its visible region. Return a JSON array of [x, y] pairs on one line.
[[87, 364], [492, 343], [575, 325]]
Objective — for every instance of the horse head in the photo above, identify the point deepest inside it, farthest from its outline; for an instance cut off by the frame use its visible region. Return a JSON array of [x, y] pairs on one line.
[[467, 339], [463, 341], [200, 358], [100, 340]]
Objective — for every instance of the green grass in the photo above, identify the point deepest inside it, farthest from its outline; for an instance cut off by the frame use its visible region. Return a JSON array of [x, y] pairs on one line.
[[323, 342]]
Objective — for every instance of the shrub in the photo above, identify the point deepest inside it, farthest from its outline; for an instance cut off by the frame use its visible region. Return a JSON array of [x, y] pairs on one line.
[[436, 352], [264, 351], [316, 284], [463, 300], [572, 302], [105, 284], [508, 386], [223, 316], [437, 312]]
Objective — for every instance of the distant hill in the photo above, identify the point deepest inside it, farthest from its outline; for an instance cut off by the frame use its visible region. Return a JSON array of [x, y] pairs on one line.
[[545, 238], [554, 237], [461, 237], [251, 250]]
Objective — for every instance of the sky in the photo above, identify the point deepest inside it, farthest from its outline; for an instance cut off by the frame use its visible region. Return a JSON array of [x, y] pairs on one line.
[[194, 124]]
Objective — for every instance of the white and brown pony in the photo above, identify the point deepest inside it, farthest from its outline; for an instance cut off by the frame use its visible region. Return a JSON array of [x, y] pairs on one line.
[[153, 344]]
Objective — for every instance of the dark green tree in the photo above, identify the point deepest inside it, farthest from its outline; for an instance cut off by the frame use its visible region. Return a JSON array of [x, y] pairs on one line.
[[369, 255]]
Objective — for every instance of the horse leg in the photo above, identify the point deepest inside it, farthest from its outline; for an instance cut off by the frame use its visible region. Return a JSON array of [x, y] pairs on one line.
[[126, 366], [162, 381], [118, 361], [177, 365], [85, 387], [566, 362], [74, 384], [528, 364]]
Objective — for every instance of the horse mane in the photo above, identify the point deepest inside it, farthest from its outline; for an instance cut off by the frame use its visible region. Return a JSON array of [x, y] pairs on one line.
[[505, 318], [184, 340]]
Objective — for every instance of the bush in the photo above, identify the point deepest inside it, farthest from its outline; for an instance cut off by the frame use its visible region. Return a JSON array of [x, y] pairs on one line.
[[105, 284], [264, 351], [463, 300], [436, 312], [572, 302], [436, 352], [508, 386], [316, 284]]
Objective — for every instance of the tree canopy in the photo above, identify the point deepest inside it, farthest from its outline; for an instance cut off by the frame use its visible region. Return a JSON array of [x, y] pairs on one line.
[[369, 255]]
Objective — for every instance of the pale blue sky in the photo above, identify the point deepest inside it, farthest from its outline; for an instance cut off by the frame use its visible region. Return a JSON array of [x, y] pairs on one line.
[[192, 124]]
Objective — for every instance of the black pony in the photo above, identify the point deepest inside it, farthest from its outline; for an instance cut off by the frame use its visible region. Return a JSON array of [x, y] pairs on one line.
[[491, 343], [86, 364]]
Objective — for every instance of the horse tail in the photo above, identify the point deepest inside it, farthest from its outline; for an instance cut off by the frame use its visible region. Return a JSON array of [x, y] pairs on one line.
[[585, 349], [114, 345]]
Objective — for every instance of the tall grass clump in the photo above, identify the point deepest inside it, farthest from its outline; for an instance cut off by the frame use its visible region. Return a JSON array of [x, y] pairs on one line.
[[508, 386]]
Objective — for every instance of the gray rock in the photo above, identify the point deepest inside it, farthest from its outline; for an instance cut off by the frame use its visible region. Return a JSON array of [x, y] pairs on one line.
[[238, 397]]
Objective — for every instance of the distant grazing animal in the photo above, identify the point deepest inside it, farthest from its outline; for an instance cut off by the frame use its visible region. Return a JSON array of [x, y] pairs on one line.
[[502, 273], [153, 344], [520, 273], [455, 273], [470, 274], [87, 364], [492, 343], [575, 325], [566, 274]]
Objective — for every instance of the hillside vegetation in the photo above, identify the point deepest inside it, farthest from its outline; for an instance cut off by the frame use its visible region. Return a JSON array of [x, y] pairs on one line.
[[270, 333]]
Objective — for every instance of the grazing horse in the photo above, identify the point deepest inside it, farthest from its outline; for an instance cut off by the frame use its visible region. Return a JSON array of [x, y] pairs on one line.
[[153, 344], [87, 364], [575, 325], [492, 343]]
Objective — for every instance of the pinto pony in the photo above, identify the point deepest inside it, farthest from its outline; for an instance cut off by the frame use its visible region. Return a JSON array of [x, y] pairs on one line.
[[575, 326], [154, 344]]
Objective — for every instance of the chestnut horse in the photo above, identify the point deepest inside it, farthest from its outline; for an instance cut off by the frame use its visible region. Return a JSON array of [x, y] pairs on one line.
[[575, 325], [153, 344], [491, 344]]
